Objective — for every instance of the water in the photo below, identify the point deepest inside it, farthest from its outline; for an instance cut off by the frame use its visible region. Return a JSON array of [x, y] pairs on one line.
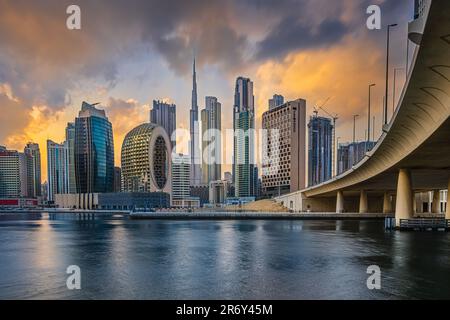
[[128, 259]]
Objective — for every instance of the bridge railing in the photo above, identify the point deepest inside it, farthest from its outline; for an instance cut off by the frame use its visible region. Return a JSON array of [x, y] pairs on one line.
[[424, 224]]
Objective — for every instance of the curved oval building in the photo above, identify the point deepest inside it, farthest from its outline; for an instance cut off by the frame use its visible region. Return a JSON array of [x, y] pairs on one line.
[[146, 160]]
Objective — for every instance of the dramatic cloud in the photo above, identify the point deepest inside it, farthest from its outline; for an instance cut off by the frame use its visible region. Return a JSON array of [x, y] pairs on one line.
[[46, 70], [294, 35]]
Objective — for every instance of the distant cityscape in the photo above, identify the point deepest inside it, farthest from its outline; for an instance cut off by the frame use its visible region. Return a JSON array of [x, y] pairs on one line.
[[81, 173]]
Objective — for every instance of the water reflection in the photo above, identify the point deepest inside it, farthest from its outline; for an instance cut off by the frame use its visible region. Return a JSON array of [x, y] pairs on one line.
[[128, 259]]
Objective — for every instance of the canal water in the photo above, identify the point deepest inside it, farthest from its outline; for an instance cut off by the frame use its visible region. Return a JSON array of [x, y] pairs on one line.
[[127, 259]]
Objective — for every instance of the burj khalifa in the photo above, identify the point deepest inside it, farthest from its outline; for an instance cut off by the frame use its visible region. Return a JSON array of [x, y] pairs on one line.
[[196, 174]]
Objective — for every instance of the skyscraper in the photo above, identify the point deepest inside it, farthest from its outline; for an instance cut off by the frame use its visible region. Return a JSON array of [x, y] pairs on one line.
[[243, 126], [212, 145], [320, 150], [70, 149], [181, 168], [10, 184], [165, 115], [56, 169], [26, 175], [284, 150], [196, 175], [94, 151], [276, 101], [32, 149]]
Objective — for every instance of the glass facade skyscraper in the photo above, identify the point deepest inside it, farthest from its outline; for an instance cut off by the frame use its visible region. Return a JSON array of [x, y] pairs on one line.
[[212, 143], [56, 169], [244, 125], [70, 149], [196, 169], [320, 150], [94, 151], [34, 169], [165, 115]]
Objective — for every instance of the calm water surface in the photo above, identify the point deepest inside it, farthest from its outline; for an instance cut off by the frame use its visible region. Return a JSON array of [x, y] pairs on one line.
[[127, 259]]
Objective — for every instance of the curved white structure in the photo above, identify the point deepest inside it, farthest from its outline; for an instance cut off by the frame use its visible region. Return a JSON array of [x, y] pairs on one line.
[[416, 141]]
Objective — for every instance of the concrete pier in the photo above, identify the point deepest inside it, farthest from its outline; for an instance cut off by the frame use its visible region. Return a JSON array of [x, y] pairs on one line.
[[363, 203], [404, 208], [340, 202]]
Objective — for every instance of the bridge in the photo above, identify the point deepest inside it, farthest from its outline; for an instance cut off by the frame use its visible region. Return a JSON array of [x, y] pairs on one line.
[[413, 153]]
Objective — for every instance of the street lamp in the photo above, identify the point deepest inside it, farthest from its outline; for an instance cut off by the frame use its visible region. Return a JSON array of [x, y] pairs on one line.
[[387, 69], [368, 115], [337, 155], [354, 127]]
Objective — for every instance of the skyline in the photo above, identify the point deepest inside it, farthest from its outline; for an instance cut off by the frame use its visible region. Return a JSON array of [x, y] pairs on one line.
[[319, 65]]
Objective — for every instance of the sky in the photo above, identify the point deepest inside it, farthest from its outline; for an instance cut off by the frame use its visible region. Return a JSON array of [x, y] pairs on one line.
[[130, 52]]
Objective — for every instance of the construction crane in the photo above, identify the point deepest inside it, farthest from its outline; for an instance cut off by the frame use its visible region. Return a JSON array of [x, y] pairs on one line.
[[335, 117], [316, 109]]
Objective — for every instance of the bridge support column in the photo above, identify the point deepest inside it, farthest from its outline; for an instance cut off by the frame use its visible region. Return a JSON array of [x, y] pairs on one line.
[[387, 203], [363, 203], [404, 203], [340, 202], [435, 205], [447, 212]]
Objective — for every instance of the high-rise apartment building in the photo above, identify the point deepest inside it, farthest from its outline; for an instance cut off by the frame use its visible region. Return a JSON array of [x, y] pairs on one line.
[[181, 168], [165, 115], [70, 149], [10, 184], [94, 151], [56, 169], [243, 126], [320, 132], [284, 149], [212, 143], [34, 157]]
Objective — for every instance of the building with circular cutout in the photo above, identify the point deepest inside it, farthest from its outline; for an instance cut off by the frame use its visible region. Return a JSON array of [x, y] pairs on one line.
[[146, 160]]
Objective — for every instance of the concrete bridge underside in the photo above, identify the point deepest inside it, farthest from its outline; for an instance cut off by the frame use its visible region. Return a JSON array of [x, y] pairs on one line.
[[413, 153]]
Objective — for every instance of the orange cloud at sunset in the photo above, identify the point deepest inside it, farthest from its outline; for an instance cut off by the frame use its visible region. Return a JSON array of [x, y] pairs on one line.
[[342, 73], [126, 55]]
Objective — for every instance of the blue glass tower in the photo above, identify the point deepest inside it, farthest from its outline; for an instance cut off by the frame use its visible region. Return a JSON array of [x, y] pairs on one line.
[[94, 151], [320, 150]]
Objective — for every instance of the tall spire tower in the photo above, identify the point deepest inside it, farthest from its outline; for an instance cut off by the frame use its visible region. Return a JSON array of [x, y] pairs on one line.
[[196, 174]]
